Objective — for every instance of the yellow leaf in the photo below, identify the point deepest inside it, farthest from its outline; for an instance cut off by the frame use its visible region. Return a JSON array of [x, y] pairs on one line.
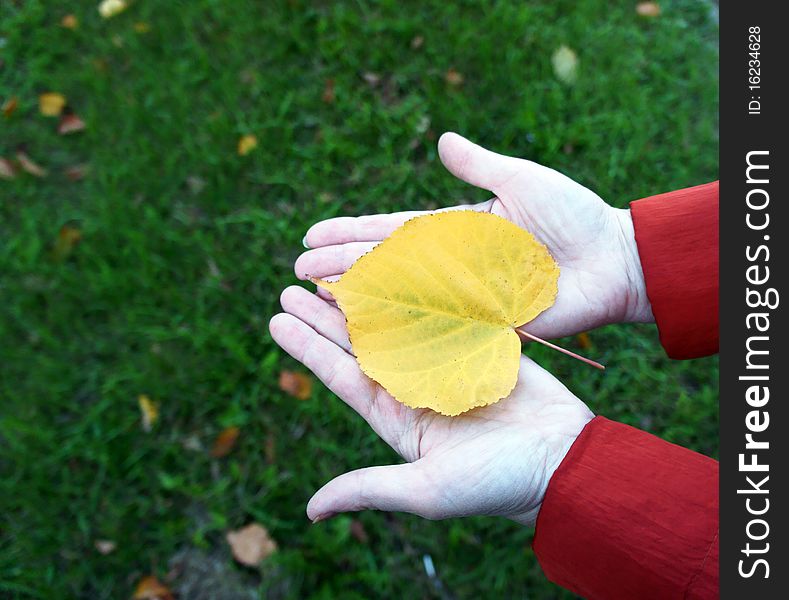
[[110, 8], [246, 144], [251, 545], [142, 27], [51, 104], [432, 310], [225, 442], [565, 65], [149, 411]]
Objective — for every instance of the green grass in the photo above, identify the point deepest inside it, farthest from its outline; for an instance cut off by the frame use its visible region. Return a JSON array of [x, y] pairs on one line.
[[170, 290]]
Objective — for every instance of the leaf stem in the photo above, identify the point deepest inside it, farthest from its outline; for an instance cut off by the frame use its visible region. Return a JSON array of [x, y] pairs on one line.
[[534, 338]]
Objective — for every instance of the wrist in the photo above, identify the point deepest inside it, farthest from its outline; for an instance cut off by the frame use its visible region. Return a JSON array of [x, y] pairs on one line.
[[558, 448], [637, 308]]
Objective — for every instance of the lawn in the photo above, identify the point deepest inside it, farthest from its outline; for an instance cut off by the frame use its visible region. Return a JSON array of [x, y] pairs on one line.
[[185, 246]]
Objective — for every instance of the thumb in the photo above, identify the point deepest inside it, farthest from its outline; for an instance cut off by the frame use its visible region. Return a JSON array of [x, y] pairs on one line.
[[476, 165], [390, 488]]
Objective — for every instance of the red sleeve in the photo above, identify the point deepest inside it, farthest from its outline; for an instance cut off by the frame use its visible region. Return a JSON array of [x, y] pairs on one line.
[[628, 515], [677, 238]]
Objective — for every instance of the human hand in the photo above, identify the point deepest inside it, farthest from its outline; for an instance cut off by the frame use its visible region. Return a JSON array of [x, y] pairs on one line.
[[494, 460], [601, 279]]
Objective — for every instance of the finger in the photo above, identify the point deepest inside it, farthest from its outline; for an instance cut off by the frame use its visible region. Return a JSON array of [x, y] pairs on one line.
[[336, 368], [371, 228], [325, 294], [330, 260], [391, 488], [476, 165], [323, 318]]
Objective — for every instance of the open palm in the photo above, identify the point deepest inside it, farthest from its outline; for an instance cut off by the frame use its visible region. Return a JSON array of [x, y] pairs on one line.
[[601, 280], [495, 460]]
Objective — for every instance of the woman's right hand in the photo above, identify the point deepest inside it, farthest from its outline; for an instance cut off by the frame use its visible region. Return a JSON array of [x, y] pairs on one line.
[[594, 244]]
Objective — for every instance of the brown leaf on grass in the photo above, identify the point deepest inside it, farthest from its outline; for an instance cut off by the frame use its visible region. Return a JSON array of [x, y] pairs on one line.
[[69, 22], [417, 41], [195, 184], [270, 450], [296, 384], [105, 546], [649, 10], [150, 588], [30, 166], [251, 545], [7, 170], [141, 27], [453, 77], [9, 106], [583, 340], [70, 123], [328, 95], [51, 104], [149, 412], [225, 442], [77, 172], [246, 144], [68, 237], [373, 79], [358, 532]]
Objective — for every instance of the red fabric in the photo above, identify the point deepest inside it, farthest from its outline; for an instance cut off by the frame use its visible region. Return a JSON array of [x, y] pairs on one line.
[[677, 238], [628, 515]]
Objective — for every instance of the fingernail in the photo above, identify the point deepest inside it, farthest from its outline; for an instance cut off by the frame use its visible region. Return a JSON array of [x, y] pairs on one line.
[[304, 242], [322, 517]]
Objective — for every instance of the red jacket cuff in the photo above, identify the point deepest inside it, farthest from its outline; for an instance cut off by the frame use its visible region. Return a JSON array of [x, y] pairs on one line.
[[628, 515], [677, 238]]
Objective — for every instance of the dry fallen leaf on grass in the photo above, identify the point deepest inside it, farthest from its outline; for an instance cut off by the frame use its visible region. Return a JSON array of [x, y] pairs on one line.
[[51, 104], [454, 78], [296, 384], [70, 123], [68, 237], [328, 91], [110, 8], [149, 412], [150, 588], [432, 310], [565, 64], [105, 546], [69, 22], [251, 545], [7, 170], [76, 172], [648, 9], [9, 107], [246, 144], [225, 442], [29, 165], [584, 341], [358, 531]]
